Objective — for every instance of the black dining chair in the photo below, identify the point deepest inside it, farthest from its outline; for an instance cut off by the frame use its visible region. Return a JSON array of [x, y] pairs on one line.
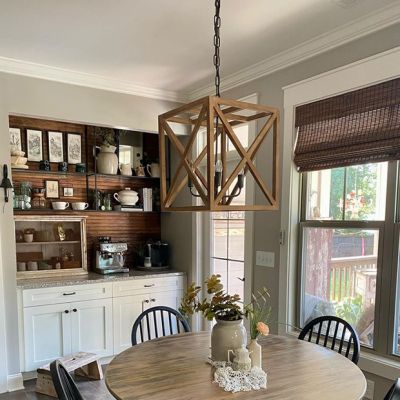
[[394, 391], [63, 383], [343, 336], [157, 322]]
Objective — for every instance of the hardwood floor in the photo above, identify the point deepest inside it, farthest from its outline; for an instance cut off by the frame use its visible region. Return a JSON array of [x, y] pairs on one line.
[[91, 390]]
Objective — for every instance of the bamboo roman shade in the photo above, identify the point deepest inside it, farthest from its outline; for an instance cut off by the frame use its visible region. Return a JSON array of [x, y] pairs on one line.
[[353, 128]]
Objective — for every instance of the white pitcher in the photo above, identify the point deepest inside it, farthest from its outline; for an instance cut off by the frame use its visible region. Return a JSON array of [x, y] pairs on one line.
[[153, 169], [126, 169]]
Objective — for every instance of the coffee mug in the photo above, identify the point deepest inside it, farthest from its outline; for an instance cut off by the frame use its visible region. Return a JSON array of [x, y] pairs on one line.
[[63, 167], [32, 266], [80, 168], [79, 205], [44, 165], [153, 169], [60, 205]]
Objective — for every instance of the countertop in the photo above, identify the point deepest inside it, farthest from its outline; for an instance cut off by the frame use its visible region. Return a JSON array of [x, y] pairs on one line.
[[91, 277]]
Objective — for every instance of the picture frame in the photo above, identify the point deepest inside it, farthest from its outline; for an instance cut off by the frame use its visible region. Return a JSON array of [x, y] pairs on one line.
[[68, 192], [74, 148], [15, 139], [52, 189], [56, 146], [34, 145]]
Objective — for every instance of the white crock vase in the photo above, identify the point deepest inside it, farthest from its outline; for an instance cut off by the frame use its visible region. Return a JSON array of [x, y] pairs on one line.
[[227, 335], [107, 160], [255, 353]]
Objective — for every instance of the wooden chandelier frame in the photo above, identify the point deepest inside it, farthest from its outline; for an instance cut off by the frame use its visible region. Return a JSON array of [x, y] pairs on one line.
[[203, 113]]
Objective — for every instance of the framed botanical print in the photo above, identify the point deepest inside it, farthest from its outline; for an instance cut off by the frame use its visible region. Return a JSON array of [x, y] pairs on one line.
[[74, 144], [34, 145], [56, 150], [15, 139], [52, 189], [68, 192]]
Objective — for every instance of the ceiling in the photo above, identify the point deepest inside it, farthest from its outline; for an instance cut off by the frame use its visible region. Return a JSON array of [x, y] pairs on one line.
[[166, 45]]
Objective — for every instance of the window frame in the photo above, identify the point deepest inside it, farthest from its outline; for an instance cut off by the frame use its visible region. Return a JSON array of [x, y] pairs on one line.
[[384, 320], [364, 72]]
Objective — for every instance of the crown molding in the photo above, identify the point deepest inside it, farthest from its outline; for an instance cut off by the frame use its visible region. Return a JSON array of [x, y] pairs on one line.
[[41, 71], [344, 34]]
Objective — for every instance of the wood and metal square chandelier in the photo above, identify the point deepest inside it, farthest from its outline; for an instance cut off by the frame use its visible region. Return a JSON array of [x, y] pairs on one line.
[[203, 173]]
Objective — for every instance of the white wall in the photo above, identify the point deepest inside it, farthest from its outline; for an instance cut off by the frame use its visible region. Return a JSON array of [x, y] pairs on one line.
[[52, 100]]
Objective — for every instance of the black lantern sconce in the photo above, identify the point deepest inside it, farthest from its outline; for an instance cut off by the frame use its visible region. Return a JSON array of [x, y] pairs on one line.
[[6, 183]]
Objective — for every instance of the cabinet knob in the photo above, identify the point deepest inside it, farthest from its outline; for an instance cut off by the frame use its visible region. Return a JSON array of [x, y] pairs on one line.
[[147, 301], [66, 311], [153, 300], [69, 294], [151, 285], [74, 310]]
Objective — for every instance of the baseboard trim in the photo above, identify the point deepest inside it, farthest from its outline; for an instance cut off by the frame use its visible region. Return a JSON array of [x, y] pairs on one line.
[[15, 382]]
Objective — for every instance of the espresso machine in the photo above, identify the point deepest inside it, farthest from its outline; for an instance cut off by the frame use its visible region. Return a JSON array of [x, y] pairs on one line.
[[110, 258]]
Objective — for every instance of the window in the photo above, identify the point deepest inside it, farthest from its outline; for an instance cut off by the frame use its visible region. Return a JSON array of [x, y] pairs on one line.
[[344, 219]]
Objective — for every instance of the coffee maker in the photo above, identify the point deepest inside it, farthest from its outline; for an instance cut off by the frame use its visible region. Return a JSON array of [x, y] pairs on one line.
[[110, 257]]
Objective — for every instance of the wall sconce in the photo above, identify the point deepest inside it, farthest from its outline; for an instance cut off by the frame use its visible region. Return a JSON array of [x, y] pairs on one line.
[[6, 183]]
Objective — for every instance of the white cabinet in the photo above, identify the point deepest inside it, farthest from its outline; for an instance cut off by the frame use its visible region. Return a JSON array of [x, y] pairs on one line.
[[58, 330], [92, 328], [95, 318], [126, 308], [47, 332]]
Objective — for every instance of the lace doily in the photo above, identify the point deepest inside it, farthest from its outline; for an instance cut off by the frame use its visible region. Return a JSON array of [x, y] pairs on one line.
[[238, 381]]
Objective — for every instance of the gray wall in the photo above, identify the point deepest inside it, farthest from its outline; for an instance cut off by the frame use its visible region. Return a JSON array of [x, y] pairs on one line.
[[267, 224], [52, 100]]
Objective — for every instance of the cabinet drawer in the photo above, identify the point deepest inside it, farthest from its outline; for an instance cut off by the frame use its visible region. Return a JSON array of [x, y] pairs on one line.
[[146, 286], [65, 294]]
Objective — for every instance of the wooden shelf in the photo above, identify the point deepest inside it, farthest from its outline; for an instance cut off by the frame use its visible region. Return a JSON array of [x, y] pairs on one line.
[[53, 173], [52, 242], [75, 212], [84, 174]]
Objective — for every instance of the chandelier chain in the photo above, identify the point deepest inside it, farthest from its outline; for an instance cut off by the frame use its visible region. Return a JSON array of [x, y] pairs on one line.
[[217, 43]]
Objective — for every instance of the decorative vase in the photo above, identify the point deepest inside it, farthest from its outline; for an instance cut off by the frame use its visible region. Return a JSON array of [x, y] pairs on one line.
[[227, 335], [107, 160], [255, 353]]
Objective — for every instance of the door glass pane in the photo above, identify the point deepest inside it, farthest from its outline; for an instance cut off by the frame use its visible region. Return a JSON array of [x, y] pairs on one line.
[[236, 240], [220, 267], [235, 274], [340, 267], [220, 238]]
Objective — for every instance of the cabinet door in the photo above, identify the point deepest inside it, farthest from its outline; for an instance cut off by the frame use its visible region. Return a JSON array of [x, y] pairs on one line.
[[91, 327], [126, 309], [168, 299], [47, 334], [171, 298]]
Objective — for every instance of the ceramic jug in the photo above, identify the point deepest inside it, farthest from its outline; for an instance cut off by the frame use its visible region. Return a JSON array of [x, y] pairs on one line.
[[107, 160], [153, 169], [241, 360]]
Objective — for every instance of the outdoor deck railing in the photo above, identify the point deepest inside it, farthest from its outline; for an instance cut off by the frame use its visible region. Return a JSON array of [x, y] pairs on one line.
[[343, 273]]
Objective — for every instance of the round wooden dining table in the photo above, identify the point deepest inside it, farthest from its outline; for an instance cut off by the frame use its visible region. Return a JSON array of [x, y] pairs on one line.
[[176, 368]]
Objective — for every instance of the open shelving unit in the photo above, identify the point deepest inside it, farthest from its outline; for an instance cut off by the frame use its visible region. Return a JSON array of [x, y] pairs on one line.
[[134, 228]]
